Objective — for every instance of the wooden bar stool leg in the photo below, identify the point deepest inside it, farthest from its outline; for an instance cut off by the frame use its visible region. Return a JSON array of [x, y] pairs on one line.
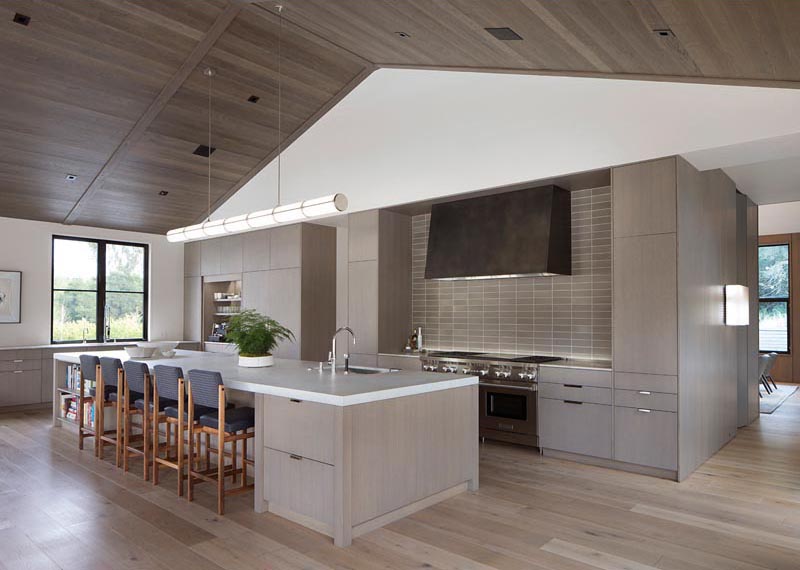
[[126, 415], [118, 436], [221, 453], [244, 463], [233, 461], [99, 412], [181, 428], [208, 451], [190, 482]]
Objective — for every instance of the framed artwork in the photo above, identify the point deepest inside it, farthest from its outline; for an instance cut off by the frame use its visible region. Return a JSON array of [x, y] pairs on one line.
[[10, 288]]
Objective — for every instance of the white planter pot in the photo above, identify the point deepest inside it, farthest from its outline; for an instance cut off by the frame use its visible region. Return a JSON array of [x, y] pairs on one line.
[[256, 361]]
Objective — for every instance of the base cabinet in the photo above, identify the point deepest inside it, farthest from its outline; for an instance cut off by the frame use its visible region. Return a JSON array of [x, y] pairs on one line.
[[300, 485], [643, 436], [576, 427], [20, 387]]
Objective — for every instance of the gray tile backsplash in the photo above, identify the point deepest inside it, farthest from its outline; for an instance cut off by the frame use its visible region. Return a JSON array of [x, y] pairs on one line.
[[563, 316]]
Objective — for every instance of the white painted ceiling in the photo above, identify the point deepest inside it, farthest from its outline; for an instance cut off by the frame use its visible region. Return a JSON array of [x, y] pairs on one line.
[[409, 135]]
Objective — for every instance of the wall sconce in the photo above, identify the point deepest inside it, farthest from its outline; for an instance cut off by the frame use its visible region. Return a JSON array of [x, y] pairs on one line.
[[737, 305]]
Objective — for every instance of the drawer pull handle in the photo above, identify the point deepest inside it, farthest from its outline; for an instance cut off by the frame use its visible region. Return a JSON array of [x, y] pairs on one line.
[[643, 410], [18, 360], [573, 386], [644, 392], [295, 457], [17, 371], [573, 402], [295, 401]]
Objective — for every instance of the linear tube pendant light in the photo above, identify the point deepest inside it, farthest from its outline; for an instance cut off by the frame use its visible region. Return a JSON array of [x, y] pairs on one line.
[[280, 214]]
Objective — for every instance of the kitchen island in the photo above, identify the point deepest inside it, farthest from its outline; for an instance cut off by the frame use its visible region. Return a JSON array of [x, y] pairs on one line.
[[344, 453]]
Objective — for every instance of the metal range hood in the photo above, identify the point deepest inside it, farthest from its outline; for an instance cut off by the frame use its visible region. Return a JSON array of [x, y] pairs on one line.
[[514, 234]]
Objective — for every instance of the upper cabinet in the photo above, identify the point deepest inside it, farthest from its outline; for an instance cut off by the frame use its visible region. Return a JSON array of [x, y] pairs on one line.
[[191, 259], [256, 250], [230, 259], [645, 198]]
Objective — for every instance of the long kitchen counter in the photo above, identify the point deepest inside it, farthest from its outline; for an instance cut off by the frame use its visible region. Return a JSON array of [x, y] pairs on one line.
[[342, 454], [301, 379]]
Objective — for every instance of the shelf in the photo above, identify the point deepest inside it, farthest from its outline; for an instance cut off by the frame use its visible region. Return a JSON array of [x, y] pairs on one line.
[[225, 314], [67, 420], [73, 392], [239, 300]]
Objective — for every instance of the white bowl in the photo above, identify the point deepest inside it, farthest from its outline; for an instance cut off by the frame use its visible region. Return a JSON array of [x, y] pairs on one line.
[[140, 351], [160, 345], [168, 354]]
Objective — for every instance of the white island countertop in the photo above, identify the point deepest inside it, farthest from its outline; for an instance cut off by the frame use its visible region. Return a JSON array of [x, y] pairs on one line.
[[293, 379]]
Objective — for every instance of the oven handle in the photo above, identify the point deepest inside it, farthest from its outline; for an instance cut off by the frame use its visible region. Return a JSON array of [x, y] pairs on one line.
[[533, 388]]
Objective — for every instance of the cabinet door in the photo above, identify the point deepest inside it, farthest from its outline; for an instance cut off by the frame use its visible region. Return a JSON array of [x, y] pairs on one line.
[[285, 247], [20, 387], [301, 485], [192, 308], [575, 427], [646, 438], [255, 251], [645, 198], [646, 305], [192, 259], [363, 305], [302, 428], [210, 251], [283, 305], [47, 380], [230, 260]]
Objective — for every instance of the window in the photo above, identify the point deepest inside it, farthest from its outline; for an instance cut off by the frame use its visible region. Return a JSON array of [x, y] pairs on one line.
[[773, 301], [99, 290]]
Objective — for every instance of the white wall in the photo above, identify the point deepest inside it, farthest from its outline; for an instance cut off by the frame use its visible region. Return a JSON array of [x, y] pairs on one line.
[[408, 135], [26, 246], [779, 219]]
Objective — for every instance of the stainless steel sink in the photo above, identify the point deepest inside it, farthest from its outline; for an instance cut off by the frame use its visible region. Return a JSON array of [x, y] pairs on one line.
[[365, 370]]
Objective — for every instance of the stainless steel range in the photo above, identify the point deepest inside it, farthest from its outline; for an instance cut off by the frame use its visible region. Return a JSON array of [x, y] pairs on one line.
[[508, 390]]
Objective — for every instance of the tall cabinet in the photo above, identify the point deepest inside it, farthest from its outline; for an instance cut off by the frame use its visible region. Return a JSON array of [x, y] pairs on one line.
[[287, 273], [675, 364]]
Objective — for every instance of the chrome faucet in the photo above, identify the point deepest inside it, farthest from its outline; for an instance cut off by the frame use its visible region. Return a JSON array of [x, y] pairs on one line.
[[332, 355]]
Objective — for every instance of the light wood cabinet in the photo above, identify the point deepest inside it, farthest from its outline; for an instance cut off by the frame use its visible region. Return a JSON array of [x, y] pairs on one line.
[[645, 317], [230, 259], [580, 376], [285, 247], [647, 438], [651, 382], [363, 305], [575, 392], [646, 399], [299, 427], [210, 251], [192, 256], [363, 236], [256, 250], [575, 427], [301, 486], [20, 387], [645, 199], [193, 308]]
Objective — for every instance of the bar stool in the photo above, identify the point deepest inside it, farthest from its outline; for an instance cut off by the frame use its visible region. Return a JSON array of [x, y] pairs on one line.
[[136, 402], [206, 389], [168, 407], [88, 376], [109, 381]]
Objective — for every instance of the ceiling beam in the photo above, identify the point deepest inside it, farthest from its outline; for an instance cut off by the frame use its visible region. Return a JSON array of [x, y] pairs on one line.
[[170, 88]]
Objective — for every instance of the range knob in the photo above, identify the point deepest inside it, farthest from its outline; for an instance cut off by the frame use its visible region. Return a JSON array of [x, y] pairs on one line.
[[428, 367], [448, 369], [466, 371], [483, 372]]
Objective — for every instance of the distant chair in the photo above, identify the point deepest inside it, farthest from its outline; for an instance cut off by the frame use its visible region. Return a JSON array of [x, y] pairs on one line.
[[763, 362], [228, 425], [773, 358]]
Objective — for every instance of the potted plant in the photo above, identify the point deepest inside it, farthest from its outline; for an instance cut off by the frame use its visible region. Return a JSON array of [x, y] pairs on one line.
[[256, 336]]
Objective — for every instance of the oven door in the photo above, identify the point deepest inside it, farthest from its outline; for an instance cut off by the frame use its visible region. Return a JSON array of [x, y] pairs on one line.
[[508, 408]]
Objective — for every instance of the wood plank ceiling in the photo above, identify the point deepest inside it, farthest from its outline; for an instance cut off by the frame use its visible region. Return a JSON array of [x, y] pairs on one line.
[[112, 91]]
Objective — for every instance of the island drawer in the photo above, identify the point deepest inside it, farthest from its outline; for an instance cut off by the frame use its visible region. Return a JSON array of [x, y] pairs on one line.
[[302, 486], [581, 376], [576, 427], [646, 438], [646, 399], [648, 382], [577, 392], [20, 364], [302, 428]]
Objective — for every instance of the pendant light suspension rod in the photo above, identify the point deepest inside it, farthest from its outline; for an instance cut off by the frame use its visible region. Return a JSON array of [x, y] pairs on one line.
[[296, 212]]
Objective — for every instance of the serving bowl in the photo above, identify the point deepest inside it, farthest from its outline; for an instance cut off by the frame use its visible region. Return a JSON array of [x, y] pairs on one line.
[[140, 351]]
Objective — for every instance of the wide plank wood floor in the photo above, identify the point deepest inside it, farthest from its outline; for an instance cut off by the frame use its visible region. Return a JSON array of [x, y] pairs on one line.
[[61, 508]]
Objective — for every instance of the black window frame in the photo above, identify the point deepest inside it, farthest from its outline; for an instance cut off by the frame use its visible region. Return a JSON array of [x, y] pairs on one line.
[[100, 323], [786, 300]]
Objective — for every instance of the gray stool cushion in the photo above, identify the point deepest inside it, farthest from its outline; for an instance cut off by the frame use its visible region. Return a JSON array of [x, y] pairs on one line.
[[238, 419], [163, 403]]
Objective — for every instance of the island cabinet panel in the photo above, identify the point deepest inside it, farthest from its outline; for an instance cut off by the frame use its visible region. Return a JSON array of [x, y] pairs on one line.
[[301, 428], [299, 486], [645, 198], [396, 450], [646, 437], [645, 302], [576, 427]]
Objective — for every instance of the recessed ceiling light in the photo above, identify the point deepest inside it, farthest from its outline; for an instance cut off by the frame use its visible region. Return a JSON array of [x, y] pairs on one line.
[[403, 34], [504, 34], [163, 193], [22, 19], [253, 99], [70, 177], [203, 151], [664, 33]]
